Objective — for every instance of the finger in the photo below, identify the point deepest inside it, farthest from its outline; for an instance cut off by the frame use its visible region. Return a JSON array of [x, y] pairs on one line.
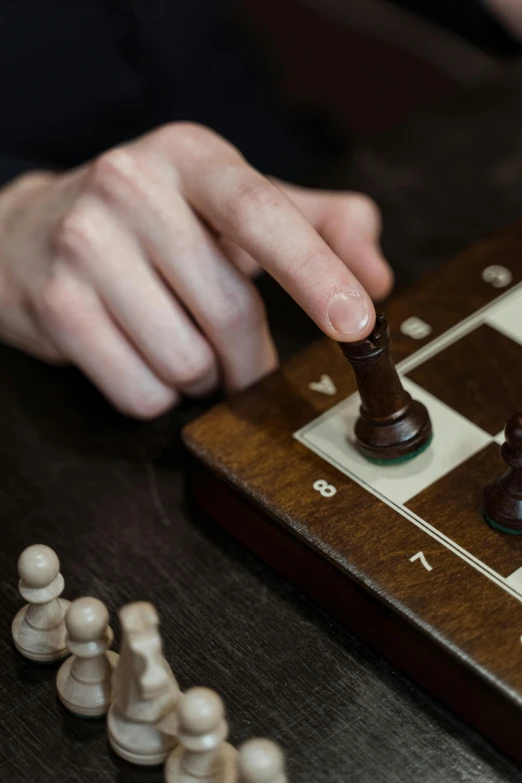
[[224, 304], [222, 301], [107, 254], [81, 327], [351, 225], [247, 209], [19, 330], [247, 265]]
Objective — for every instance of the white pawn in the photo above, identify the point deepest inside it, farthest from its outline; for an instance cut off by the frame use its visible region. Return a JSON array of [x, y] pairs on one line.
[[260, 761], [84, 680], [39, 627], [203, 755]]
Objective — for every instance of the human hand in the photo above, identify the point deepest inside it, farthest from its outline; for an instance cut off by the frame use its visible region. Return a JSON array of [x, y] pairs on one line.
[[135, 267], [510, 13]]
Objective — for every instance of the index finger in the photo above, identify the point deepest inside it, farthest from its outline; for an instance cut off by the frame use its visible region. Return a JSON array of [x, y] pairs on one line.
[[248, 209]]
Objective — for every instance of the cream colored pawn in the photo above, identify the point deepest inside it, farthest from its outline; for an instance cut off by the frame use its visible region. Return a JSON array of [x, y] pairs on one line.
[[39, 627], [142, 719], [203, 755], [84, 681], [260, 761]]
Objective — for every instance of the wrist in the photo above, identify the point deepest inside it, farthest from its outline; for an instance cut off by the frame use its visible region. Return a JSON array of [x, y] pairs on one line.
[[15, 200], [15, 194]]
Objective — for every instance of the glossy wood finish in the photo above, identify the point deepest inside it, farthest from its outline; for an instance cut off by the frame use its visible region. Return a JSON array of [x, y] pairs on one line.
[[451, 628]]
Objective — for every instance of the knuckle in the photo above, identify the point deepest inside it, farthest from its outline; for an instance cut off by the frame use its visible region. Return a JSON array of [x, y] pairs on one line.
[[314, 271], [55, 301], [114, 172], [191, 138], [244, 312], [76, 234], [190, 131], [248, 199], [364, 209], [194, 370]]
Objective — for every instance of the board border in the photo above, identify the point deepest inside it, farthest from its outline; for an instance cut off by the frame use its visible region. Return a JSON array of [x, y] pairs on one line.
[[425, 352]]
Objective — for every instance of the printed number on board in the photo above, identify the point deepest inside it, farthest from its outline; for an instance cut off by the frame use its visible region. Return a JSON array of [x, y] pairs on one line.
[[420, 556], [324, 489], [415, 328]]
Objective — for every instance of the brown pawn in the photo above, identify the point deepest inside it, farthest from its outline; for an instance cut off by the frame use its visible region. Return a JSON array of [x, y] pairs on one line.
[[391, 426], [502, 506]]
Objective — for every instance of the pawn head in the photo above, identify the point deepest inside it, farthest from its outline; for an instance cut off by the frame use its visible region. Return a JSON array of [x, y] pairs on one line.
[[201, 711], [261, 761], [38, 566], [514, 431], [86, 620]]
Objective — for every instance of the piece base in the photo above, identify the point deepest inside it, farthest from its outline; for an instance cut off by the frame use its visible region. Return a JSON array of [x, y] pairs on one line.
[[174, 772], [96, 697], [139, 743], [397, 439], [141, 759], [400, 460], [501, 528]]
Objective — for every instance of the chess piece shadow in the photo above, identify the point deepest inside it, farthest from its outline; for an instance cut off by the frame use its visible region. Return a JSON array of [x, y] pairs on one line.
[[123, 772], [77, 729]]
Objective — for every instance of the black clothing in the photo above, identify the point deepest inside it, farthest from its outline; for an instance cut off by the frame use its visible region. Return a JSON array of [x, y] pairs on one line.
[[469, 18], [79, 76]]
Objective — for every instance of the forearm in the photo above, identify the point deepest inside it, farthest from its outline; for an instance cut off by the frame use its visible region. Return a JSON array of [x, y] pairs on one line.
[[510, 14]]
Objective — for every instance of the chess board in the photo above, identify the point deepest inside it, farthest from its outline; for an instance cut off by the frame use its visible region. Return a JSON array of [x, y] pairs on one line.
[[400, 553]]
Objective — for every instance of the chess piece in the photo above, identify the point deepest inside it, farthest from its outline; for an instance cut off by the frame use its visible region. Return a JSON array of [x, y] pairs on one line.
[[391, 426], [502, 503], [260, 761], [84, 680], [39, 627], [142, 719], [203, 755]]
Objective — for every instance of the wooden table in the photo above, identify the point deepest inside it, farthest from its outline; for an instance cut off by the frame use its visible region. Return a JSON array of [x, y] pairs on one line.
[[107, 494]]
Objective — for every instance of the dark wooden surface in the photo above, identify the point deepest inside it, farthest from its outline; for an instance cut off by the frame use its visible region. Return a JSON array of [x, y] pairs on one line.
[[452, 629], [108, 495]]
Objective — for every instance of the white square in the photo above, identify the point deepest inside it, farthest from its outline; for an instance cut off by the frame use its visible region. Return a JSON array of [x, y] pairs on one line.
[[508, 319], [455, 440]]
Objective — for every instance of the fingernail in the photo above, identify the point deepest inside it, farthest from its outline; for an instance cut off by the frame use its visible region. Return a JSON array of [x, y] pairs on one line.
[[348, 313]]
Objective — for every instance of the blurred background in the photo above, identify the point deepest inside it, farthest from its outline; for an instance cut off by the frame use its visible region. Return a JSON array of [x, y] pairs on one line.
[[418, 104], [367, 65]]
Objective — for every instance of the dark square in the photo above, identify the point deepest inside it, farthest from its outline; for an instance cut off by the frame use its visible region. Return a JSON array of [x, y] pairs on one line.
[[453, 505], [479, 376]]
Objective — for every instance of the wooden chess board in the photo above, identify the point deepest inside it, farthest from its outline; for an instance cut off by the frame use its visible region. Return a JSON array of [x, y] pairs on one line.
[[399, 553]]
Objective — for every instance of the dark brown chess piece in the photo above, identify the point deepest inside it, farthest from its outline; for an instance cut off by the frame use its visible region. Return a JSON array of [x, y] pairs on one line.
[[502, 505], [392, 427]]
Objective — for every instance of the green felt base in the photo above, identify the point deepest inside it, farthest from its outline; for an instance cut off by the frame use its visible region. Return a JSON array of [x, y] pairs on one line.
[[502, 529], [400, 460]]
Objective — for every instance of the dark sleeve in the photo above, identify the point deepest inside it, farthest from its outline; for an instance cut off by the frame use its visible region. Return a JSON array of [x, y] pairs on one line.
[[77, 78], [469, 18]]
